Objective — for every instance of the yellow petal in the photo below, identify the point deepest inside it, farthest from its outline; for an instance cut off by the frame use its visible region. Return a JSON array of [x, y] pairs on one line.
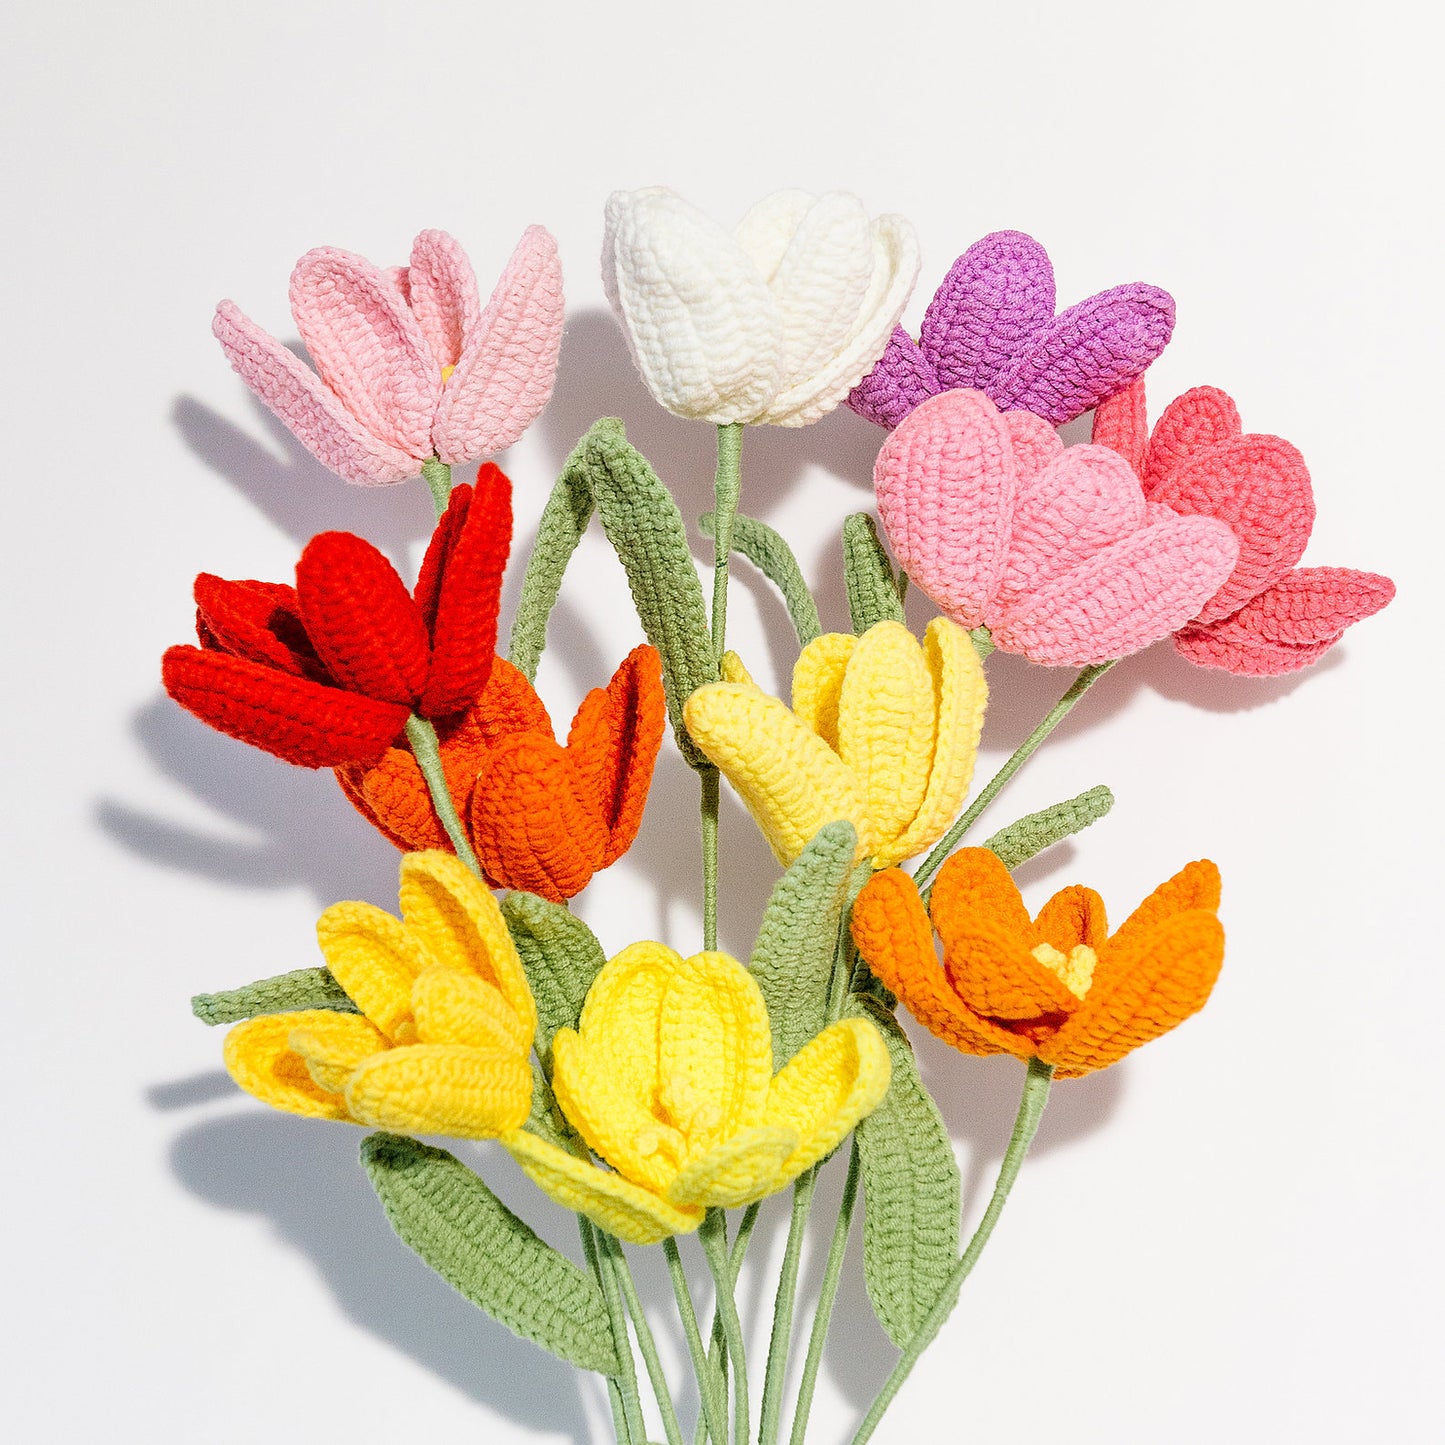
[[830, 1084], [887, 719], [608, 1200], [451, 1007], [818, 683], [332, 1044], [442, 1089], [732, 669], [747, 1167], [376, 960], [458, 917], [715, 1051], [260, 1059], [789, 779], [962, 693]]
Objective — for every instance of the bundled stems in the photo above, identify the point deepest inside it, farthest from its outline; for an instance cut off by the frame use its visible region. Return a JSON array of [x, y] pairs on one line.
[[424, 746], [712, 1235], [648, 1345], [714, 1411], [780, 1342], [609, 1271], [1037, 1081]]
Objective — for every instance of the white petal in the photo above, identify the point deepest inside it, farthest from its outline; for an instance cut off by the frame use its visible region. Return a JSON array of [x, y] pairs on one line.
[[768, 228], [703, 326]]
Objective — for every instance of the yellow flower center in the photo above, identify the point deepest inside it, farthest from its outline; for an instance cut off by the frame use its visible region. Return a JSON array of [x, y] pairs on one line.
[[1075, 969], [447, 374]]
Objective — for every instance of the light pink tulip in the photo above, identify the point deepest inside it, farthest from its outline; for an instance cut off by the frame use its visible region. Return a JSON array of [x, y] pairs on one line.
[[409, 365]]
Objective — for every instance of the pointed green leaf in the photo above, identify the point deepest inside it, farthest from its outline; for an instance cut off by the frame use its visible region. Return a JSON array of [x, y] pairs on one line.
[[872, 589], [772, 556], [1034, 832], [287, 992], [560, 954], [468, 1236], [911, 1191]]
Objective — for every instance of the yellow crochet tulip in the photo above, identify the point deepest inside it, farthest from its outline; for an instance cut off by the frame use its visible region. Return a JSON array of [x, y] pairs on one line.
[[446, 1022], [669, 1078], [882, 732]]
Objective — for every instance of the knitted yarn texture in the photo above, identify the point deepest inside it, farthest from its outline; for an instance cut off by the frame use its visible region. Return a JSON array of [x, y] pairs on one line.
[[1054, 549], [991, 327], [409, 364], [1270, 616], [769, 324], [1058, 987]]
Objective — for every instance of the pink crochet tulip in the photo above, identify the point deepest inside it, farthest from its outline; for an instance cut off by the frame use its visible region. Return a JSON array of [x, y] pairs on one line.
[[1270, 616], [410, 365], [1055, 550]]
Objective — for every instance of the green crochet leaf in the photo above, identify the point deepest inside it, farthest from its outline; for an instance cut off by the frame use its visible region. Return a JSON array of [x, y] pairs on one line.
[[772, 556], [564, 520], [911, 1191], [793, 956], [560, 954], [287, 992], [872, 589], [468, 1236], [1034, 832], [546, 1119]]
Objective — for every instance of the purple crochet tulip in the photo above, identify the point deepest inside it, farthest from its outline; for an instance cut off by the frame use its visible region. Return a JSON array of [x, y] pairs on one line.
[[991, 326]]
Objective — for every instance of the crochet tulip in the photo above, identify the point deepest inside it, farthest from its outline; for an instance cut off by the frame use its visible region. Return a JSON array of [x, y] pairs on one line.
[[441, 1042], [883, 732], [1055, 550], [669, 1079], [541, 816], [991, 327], [409, 365], [1269, 616], [770, 323], [327, 672], [1059, 988]]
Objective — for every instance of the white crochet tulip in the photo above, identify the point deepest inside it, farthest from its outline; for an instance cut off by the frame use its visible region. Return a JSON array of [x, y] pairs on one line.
[[773, 323]]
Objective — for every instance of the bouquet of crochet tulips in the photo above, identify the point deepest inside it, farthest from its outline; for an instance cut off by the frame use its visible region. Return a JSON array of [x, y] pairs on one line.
[[660, 1088]]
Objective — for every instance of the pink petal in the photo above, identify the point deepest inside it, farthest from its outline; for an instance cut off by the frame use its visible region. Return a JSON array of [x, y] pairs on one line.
[[1085, 500], [1035, 442], [946, 480], [1122, 424], [1259, 487], [367, 346], [1217, 645], [305, 404], [509, 359], [1201, 417], [442, 291], [1123, 598]]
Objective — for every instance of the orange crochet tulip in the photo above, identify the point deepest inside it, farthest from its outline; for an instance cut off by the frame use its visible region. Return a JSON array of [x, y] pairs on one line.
[[1059, 987], [542, 816]]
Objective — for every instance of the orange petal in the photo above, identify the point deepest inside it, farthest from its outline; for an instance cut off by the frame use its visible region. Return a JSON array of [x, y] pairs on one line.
[[1155, 981], [1196, 885], [508, 704], [891, 929], [974, 884], [1073, 916]]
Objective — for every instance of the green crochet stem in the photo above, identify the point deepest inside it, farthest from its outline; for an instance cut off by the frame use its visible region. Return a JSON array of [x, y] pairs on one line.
[[717, 1351], [610, 1267], [711, 799], [714, 1411], [648, 1345], [438, 476], [780, 1343], [823, 1315], [712, 1234], [427, 751], [1037, 1080], [996, 784], [614, 1394]]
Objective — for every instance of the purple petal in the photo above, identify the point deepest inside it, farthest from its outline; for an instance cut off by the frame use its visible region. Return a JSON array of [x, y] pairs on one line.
[[902, 380]]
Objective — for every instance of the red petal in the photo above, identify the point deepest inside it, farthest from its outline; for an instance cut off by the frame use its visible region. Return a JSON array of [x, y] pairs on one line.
[[460, 589], [304, 722], [1203, 416], [361, 619], [1121, 423], [257, 620]]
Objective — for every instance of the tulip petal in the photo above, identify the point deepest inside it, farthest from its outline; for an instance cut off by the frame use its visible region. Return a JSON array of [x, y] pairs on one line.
[[508, 358], [1074, 915], [376, 959], [441, 289], [308, 407], [459, 1008], [818, 683], [902, 380], [304, 722], [451, 1089], [610, 1201], [975, 883], [1242, 653], [260, 621], [332, 1045], [738, 1170], [788, 778], [1193, 888], [1122, 424], [1035, 444], [702, 324], [259, 1057], [1202, 417], [1123, 598], [393, 797], [946, 480]]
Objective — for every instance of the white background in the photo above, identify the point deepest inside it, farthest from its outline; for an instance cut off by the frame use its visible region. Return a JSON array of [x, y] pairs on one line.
[[1234, 1235]]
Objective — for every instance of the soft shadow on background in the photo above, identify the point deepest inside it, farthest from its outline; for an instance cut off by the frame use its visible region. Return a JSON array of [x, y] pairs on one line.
[[290, 825]]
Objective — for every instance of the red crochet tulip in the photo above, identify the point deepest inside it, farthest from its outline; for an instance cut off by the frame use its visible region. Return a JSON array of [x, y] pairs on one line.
[[541, 816], [327, 672], [1270, 616]]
